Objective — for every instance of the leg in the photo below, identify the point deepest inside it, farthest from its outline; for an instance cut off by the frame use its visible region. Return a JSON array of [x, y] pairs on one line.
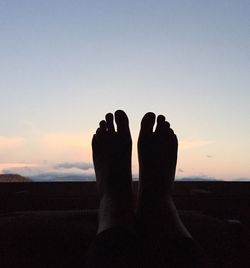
[[115, 247], [115, 243], [112, 162], [158, 219], [157, 152]]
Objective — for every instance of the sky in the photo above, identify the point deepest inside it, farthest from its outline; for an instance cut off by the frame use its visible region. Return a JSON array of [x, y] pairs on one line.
[[65, 64]]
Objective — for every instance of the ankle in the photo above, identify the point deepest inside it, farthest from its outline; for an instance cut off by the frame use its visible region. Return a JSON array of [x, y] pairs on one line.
[[115, 215]]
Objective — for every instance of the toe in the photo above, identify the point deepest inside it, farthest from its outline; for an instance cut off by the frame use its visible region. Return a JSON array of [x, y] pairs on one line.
[[110, 122], [167, 127], [98, 133], [121, 120], [167, 124], [160, 123], [147, 123], [103, 126], [171, 138], [166, 130], [93, 142]]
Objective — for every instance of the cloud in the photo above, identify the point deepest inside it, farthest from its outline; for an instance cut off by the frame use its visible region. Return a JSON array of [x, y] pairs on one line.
[[197, 178], [77, 165], [25, 171], [47, 171], [8, 168], [10, 142], [49, 174], [242, 179]]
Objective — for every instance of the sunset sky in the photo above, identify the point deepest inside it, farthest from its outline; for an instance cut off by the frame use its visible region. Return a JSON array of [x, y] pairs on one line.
[[65, 64]]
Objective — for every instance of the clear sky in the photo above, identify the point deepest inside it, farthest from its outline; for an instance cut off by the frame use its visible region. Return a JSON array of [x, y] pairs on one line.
[[64, 64]]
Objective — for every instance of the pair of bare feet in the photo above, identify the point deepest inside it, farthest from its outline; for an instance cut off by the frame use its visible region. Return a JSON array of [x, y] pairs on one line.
[[157, 154]]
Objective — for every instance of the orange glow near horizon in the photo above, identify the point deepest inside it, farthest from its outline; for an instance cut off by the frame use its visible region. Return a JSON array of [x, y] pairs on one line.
[[195, 157]]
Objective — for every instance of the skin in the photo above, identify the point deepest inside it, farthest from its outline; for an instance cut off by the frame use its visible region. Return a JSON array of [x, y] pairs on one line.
[[112, 161], [157, 155]]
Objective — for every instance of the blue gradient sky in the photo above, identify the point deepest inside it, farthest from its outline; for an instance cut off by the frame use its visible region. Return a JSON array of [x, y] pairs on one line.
[[64, 64]]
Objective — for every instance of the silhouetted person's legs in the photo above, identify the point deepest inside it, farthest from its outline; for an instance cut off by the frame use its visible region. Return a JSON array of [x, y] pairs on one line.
[[115, 244], [157, 153], [167, 241], [112, 161], [158, 238]]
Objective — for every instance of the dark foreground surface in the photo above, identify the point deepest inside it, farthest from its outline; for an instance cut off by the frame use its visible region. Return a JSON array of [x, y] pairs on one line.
[[53, 224]]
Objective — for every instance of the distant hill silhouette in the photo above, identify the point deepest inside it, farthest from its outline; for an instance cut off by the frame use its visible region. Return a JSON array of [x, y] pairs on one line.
[[13, 178], [53, 176], [197, 179]]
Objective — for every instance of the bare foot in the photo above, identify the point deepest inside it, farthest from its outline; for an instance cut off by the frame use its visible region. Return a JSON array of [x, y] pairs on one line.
[[112, 162], [157, 153]]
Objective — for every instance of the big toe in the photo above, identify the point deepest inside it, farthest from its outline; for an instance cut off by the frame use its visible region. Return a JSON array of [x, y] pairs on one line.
[[122, 122], [147, 123]]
